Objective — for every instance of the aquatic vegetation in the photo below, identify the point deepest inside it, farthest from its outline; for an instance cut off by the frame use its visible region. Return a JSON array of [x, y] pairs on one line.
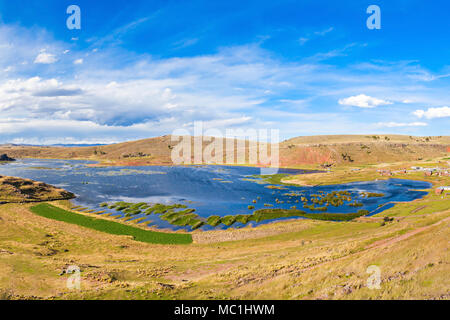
[[228, 220], [121, 206], [275, 187], [197, 224], [264, 214], [312, 207], [372, 194], [183, 218], [213, 221], [251, 207], [335, 198], [243, 218], [355, 204], [137, 208], [160, 208], [133, 212]]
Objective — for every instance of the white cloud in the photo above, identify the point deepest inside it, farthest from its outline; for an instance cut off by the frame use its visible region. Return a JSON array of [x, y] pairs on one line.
[[78, 61], [243, 86], [401, 124], [363, 101], [303, 40], [324, 32], [432, 113], [45, 58]]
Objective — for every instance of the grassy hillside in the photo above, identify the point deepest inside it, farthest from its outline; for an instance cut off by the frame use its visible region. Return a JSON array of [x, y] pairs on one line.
[[301, 259], [361, 149], [301, 151]]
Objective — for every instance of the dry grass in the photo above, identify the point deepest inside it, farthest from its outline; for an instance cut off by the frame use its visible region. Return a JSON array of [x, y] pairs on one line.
[[301, 151], [25, 190], [289, 260]]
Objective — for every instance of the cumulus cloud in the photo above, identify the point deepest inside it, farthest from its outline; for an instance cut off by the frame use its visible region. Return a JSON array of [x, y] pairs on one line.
[[45, 58], [78, 61], [432, 113], [363, 101]]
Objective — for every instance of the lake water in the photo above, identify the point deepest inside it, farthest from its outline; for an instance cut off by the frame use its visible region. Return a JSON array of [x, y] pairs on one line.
[[210, 190]]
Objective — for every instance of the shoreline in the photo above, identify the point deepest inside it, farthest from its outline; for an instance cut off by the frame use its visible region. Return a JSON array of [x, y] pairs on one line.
[[282, 181]]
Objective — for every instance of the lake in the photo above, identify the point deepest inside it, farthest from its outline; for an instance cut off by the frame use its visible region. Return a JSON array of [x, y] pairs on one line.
[[210, 190]]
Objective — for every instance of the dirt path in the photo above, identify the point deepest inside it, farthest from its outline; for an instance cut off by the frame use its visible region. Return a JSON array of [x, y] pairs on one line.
[[386, 242]]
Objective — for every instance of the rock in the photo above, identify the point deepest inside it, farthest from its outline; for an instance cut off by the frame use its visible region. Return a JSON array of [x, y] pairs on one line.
[[4, 157], [347, 289]]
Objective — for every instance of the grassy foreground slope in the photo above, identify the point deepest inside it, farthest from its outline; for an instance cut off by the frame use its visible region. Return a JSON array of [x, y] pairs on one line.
[[299, 259], [48, 211]]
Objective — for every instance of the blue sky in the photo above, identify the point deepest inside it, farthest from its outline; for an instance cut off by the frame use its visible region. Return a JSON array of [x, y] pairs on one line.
[[138, 69]]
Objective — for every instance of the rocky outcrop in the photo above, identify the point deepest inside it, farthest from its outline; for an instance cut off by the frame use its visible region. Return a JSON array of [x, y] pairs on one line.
[[14, 189], [4, 157]]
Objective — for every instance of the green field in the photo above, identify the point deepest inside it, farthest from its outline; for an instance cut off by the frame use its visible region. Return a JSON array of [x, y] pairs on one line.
[[52, 212]]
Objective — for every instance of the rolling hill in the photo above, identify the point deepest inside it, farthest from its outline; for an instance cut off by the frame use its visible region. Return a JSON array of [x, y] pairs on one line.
[[295, 152]]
